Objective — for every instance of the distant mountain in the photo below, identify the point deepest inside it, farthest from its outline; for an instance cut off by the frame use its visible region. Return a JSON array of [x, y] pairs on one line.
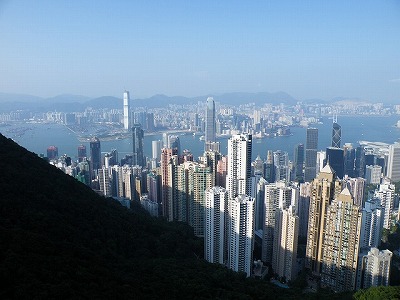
[[104, 102], [21, 98], [67, 98]]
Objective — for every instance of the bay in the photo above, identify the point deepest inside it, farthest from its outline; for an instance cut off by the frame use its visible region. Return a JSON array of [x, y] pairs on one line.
[[37, 137]]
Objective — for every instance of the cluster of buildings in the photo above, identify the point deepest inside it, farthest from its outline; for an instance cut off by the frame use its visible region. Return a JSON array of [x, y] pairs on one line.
[[239, 206]]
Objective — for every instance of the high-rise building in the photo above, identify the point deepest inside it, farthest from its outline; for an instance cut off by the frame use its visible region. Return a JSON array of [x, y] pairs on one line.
[[374, 268], [303, 208], [336, 160], [240, 233], [238, 181], [167, 181], [284, 261], [95, 156], [357, 188], [210, 120], [299, 161], [137, 144], [127, 117], [215, 232], [393, 168], [336, 134], [340, 243], [386, 196], [156, 147], [324, 188], [311, 154], [281, 164], [371, 224], [104, 181], [359, 163], [349, 160], [373, 174], [269, 167], [52, 152], [81, 152]]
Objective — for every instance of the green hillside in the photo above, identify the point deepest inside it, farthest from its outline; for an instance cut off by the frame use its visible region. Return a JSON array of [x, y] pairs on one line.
[[59, 239]]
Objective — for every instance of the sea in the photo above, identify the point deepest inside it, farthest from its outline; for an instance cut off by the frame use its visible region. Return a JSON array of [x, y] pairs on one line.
[[36, 137]]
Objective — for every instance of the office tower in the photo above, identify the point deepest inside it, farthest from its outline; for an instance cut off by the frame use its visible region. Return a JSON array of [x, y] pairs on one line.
[[340, 243], [238, 181], [357, 188], [166, 181], [210, 120], [311, 154], [269, 167], [303, 208], [137, 145], [323, 190], [298, 162], [277, 195], [81, 152], [321, 161], [386, 195], [393, 168], [335, 158], [165, 140], [281, 164], [156, 147], [258, 166], [284, 261], [95, 156], [127, 123], [52, 152], [359, 164], [373, 174], [216, 207], [150, 122], [174, 143], [104, 181], [240, 233], [336, 134], [371, 224], [374, 268], [349, 160]]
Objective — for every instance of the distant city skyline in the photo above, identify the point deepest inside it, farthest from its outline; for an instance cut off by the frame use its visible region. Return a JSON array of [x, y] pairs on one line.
[[308, 49]]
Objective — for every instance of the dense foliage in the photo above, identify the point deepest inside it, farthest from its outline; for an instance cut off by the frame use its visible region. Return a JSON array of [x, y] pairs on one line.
[[59, 239]]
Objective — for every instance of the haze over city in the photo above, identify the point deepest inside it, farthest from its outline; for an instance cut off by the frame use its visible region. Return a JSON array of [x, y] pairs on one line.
[[309, 49]]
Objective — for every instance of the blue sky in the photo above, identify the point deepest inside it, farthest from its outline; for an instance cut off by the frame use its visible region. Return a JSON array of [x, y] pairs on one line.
[[310, 49]]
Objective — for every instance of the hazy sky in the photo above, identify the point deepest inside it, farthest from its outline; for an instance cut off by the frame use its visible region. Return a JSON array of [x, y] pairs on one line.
[[310, 49]]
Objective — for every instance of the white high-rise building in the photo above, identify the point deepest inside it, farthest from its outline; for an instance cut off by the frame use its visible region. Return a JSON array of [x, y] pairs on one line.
[[393, 168], [284, 261], [374, 268], [127, 117], [241, 233], [215, 225], [371, 224], [356, 187], [386, 194], [373, 174], [238, 181]]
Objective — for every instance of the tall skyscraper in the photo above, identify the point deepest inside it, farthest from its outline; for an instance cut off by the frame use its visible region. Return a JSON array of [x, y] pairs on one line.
[[336, 133], [284, 261], [215, 232], [52, 152], [137, 144], [269, 167], [393, 168], [240, 233], [210, 120], [281, 164], [127, 117], [81, 152], [340, 243], [371, 224], [299, 161], [311, 154], [323, 190], [335, 158], [386, 195], [303, 208], [95, 156], [238, 181], [166, 181]]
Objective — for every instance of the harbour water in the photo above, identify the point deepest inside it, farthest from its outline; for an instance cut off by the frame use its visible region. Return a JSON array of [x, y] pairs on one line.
[[37, 137]]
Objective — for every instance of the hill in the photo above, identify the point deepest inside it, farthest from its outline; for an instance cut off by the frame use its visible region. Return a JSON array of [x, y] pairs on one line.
[[59, 239]]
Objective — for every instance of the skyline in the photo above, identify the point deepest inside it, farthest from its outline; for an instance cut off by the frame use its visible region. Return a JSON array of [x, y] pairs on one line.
[[96, 48]]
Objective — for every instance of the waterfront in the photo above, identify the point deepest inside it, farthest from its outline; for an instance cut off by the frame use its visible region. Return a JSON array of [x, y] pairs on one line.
[[37, 137]]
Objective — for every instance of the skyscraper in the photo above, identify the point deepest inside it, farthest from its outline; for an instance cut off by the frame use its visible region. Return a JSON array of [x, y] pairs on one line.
[[127, 117], [238, 181], [215, 225], [336, 133], [323, 190], [210, 120], [393, 169], [311, 154], [299, 161], [340, 243], [386, 195], [335, 158], [167, 182], [52, 152], [240, 233], [281, 164], [137, 144], [95, 156], [375, 268], [81, 152]]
